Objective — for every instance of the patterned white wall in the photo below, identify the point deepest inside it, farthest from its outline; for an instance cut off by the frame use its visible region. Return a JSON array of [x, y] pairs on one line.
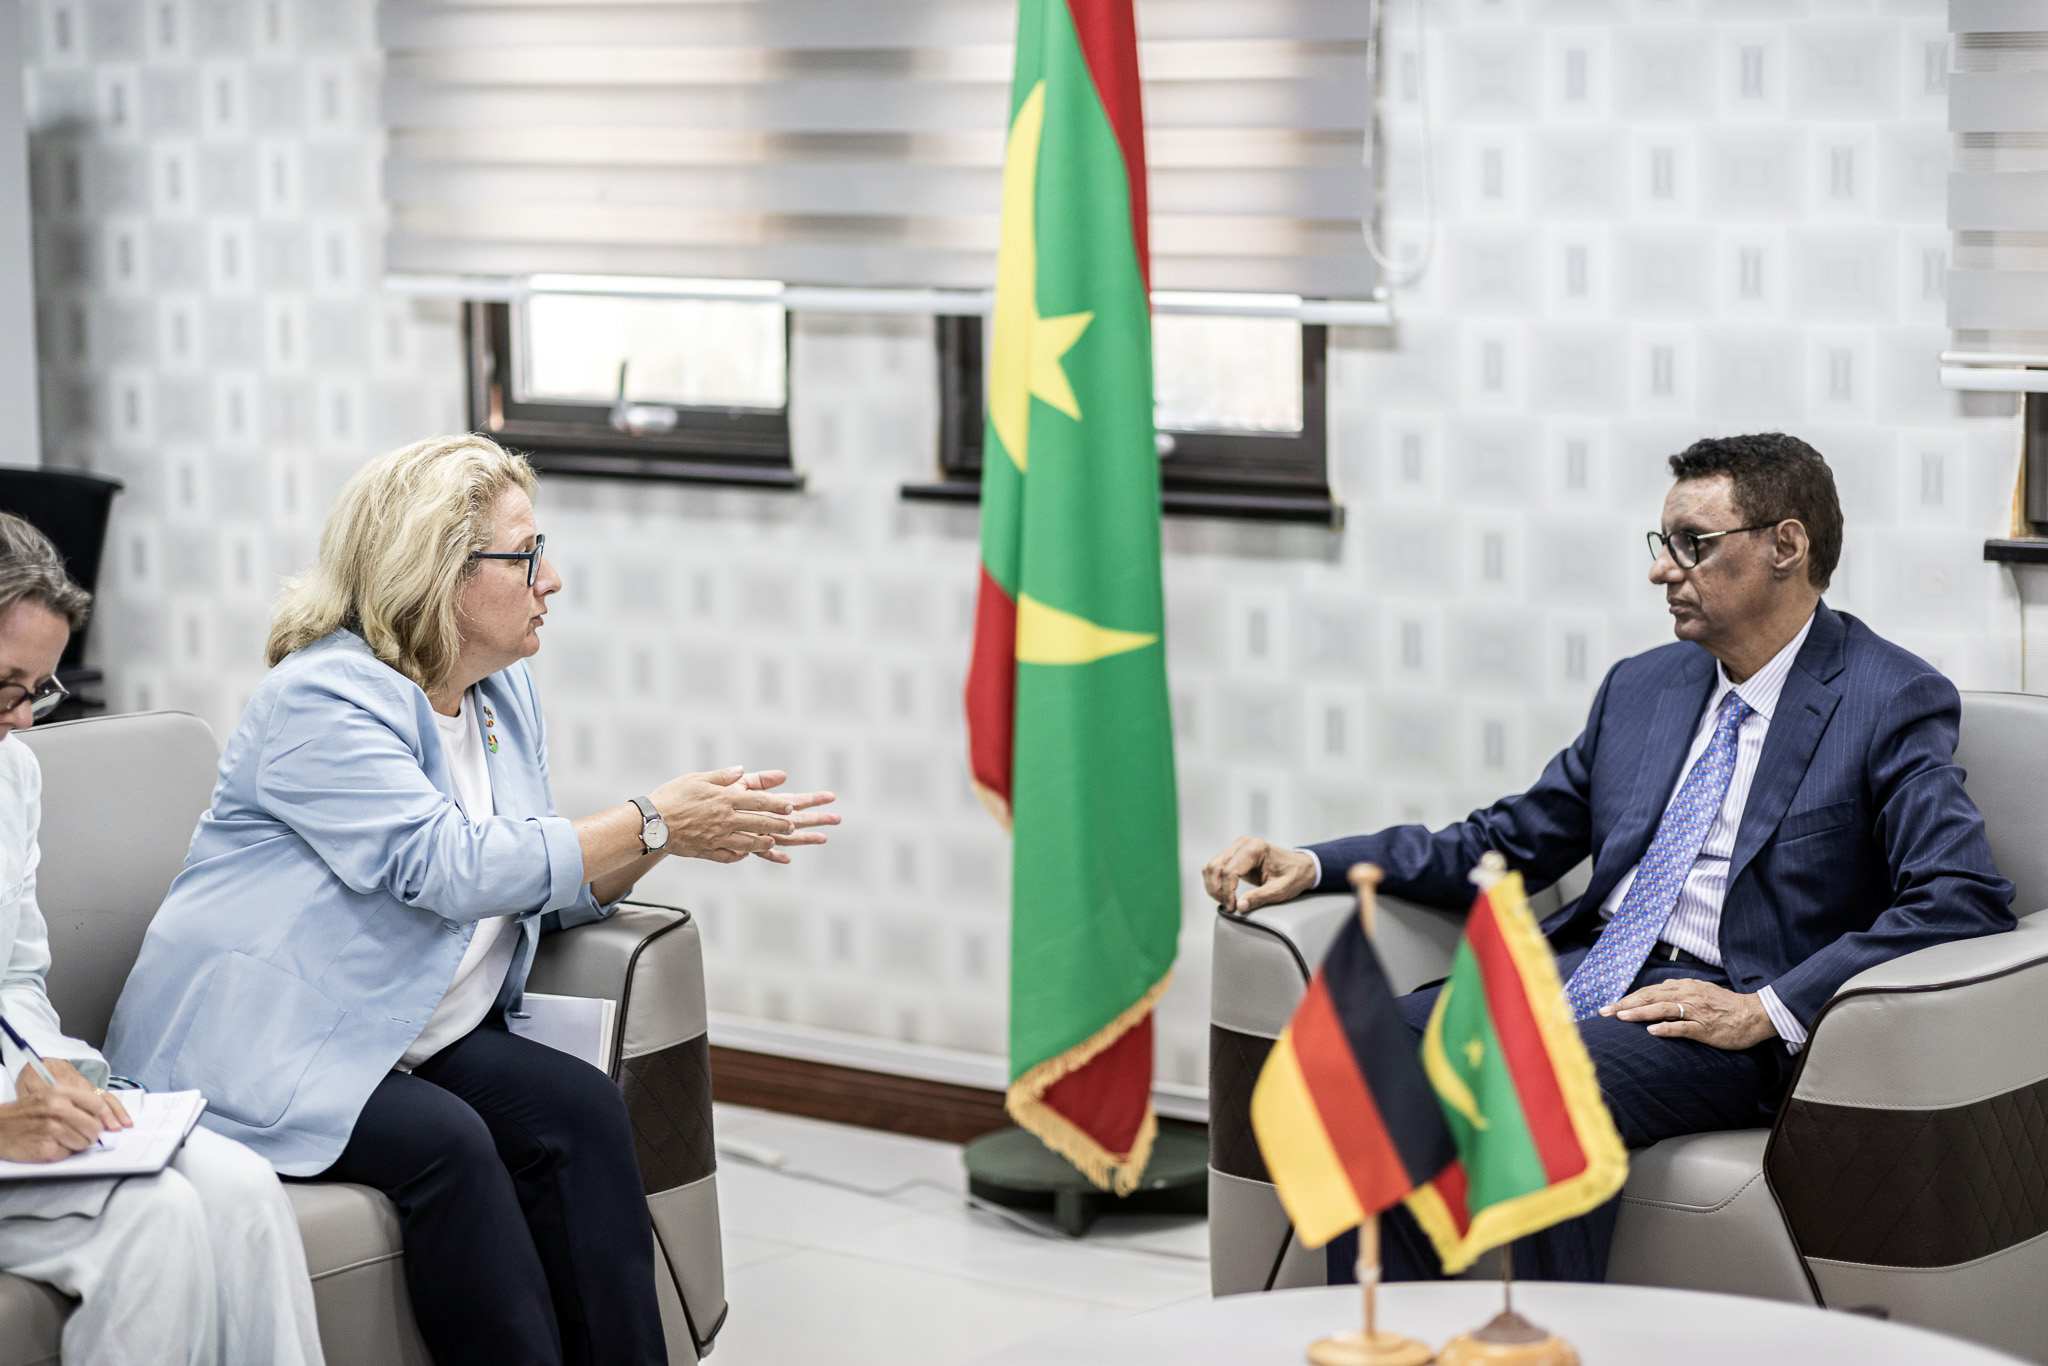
[[1659, 220], [208, 237]]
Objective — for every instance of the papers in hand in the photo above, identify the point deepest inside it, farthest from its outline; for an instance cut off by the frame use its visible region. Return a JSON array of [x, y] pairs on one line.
[[580, 1026], [162, 1120]]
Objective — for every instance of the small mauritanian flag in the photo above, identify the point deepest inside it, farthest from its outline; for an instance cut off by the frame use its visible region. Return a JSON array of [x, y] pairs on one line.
[[1069, 731], [1345, 1117], [1536, 1145]]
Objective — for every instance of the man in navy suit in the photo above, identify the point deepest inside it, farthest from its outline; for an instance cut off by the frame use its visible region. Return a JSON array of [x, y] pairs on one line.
[[1771, 806]]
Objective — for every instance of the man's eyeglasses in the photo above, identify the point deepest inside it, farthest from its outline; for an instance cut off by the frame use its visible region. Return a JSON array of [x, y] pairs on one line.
[[1685, 546], [42, 699], [532, 557]]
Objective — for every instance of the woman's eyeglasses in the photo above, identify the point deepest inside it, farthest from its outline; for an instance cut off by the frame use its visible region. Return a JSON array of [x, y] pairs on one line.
[[532, 557], [42, 699]]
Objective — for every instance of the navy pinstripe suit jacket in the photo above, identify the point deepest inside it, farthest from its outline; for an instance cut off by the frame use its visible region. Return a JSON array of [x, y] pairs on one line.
[[1858, 843]]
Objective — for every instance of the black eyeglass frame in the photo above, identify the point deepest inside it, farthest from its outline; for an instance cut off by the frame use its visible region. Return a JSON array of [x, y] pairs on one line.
[[42, 699], [1659, 543], [532, 557]]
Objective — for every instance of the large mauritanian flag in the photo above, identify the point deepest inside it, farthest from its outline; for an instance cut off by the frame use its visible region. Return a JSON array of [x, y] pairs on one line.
[[1535, 1142], [1069, 732]]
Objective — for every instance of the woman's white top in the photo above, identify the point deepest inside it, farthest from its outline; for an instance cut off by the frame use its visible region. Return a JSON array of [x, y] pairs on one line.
[[24, 939], [481, 973]]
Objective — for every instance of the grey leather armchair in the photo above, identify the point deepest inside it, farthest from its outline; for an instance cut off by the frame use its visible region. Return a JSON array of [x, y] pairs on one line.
[[1908, 1168], [156, 770]]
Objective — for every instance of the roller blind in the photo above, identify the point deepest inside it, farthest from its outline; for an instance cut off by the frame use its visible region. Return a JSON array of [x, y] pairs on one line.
[[850, 142], [1998, 187]]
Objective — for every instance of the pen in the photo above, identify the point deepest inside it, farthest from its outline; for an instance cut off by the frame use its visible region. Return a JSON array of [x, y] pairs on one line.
[[35, 1060]]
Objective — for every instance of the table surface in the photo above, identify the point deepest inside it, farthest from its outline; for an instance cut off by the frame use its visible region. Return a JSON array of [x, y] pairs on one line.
[[1610, 1325]]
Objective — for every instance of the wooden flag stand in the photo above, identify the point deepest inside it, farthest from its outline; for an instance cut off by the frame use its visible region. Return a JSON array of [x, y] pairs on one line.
[[1510, 1339], [1370, 1347]]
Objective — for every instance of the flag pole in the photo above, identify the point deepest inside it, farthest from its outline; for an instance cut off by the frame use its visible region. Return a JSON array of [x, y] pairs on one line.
[[1372, 1347]]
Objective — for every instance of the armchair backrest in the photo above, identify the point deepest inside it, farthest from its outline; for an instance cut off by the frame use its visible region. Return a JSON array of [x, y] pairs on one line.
[[121, 796], [2003, 750]]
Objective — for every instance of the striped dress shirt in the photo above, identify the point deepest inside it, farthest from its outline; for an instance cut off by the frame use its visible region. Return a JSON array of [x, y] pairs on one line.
[[1695, 923]]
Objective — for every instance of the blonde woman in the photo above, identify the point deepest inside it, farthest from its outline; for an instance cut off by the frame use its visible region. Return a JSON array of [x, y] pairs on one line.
[[360, 906]]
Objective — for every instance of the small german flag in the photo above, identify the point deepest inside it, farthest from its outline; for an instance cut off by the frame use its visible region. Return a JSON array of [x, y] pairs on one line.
[[1536, 1145], [1345, 1117]]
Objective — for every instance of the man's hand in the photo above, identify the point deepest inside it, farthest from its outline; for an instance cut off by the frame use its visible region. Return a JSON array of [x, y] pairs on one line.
[[1276, 874], [801, 815], [101, 1105], [47, 1126], [1699, 1011]]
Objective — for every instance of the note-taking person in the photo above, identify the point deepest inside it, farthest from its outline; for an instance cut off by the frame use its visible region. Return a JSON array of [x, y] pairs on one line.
[[199, 1263], [1771, 805], [361, 905]]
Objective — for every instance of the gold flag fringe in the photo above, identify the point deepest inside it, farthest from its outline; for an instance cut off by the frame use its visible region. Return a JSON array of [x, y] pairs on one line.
[[997, 807], [1118, 1172]]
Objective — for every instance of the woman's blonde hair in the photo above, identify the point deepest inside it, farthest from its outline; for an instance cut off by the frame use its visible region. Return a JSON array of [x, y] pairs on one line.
[[395, 551]]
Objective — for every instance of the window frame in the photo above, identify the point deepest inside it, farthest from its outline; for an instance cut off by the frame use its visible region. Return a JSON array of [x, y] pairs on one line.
[[1268, 476], [749, 447]]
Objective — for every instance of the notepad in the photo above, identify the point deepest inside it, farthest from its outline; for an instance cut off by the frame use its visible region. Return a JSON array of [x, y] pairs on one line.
[[580, 1026], [162, 1121]]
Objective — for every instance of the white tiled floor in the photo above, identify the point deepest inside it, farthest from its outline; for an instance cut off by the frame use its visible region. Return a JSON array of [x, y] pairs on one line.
[[901, 1270]]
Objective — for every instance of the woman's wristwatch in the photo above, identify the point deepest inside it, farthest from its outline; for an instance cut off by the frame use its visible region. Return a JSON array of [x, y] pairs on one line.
[[653, 829]]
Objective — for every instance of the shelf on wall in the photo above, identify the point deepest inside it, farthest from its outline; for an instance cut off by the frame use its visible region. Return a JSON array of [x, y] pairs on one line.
[[2017, 550]]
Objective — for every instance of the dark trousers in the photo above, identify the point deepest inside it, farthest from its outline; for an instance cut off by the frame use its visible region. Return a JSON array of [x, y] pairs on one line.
[[527, 1239], [1656, 1089]]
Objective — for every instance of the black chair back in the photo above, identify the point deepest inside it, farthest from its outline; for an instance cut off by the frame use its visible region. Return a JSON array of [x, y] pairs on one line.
[[71, 509]]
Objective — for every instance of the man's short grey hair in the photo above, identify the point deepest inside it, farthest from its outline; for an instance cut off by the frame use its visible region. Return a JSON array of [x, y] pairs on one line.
[[31, 569]]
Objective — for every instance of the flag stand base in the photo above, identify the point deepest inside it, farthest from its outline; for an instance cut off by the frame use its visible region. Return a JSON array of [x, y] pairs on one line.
[[1510, 1340], [1356, 1349], [1011, 1168]]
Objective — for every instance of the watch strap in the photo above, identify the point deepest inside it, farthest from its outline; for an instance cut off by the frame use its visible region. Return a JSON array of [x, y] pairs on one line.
[[648, 814]]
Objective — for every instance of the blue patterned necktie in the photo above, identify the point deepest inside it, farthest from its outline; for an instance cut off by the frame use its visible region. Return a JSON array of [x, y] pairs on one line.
[[1604, 975]]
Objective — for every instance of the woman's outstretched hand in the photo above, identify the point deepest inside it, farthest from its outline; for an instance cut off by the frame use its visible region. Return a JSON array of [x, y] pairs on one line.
[[722, 816], [730, 813], [803, 816], [717, 816]]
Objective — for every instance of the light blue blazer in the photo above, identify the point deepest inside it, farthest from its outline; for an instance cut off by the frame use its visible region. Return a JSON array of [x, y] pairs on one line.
[[329, 894]]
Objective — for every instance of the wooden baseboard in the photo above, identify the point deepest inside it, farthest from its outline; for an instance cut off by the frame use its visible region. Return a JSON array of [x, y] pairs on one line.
[[942, 1110]]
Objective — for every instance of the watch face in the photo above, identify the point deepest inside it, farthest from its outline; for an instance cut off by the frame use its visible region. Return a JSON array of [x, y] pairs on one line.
[[654, 834]]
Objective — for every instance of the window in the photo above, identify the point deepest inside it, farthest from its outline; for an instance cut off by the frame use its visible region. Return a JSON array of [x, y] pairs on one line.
[[1238, 402], [648, 386]]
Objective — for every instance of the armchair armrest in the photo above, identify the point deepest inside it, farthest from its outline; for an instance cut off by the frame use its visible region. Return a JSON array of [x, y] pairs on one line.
[[649, 959], [1957, 962], [1263, 961], [1949, 1025], [645, 956]]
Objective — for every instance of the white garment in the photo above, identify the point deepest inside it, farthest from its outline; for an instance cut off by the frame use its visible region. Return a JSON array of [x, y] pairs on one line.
[[198, 1265], [201, 1263], [24, 939], [1695, 923], [481, 973]]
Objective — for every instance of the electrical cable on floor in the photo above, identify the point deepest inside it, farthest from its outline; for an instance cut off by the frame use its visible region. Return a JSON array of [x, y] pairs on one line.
[[767, 1159]]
